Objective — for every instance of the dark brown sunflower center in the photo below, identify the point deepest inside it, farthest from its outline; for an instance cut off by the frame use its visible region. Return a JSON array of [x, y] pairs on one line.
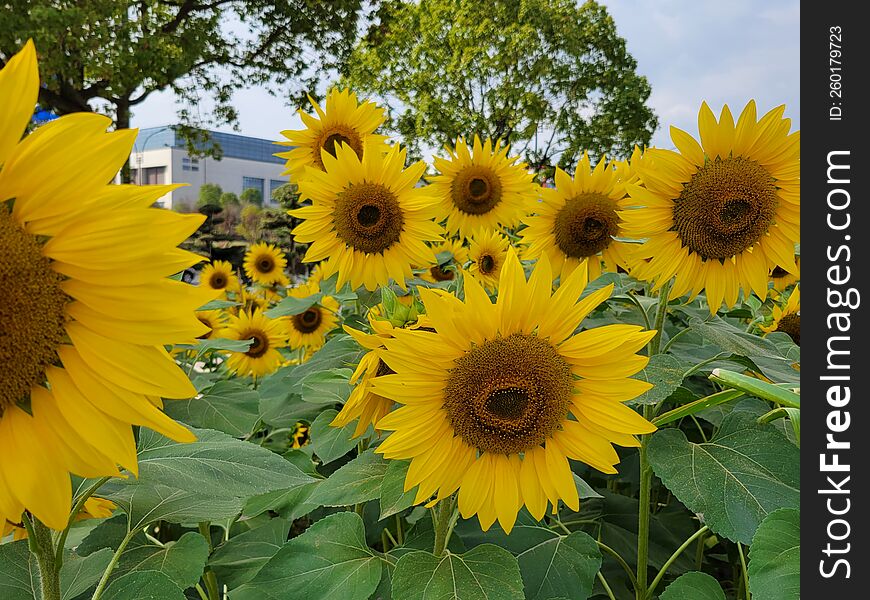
[[308, 321], [265, 264], [439, 273], [32, 312], [486, 264], [368, 217], [586, 225], [791, 324], [335, 137], [509, 394], [727, 206], [259, 344], [778, 272], [218, 281], [476, 190]]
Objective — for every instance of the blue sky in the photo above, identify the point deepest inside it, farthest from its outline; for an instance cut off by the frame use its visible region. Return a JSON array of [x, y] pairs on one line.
[[721, 52]]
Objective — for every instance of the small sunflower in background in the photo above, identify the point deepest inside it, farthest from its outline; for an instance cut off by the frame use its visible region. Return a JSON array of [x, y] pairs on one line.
[[782, 279], [345, 121], [94, 508], [447, 253], [265, 263], [577, 222], [488, 252], [308, 329], [508, 393], [482, 187], [86, 303], [300, 436], [788, 318], [219, 275], [367, 220], [720, 214], [215, 320], [262, 356]]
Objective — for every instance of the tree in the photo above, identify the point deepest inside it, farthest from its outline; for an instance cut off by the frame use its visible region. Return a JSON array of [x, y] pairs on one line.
[[252, 196], [210, 194], [228, 199], [286, 196], [551, 77], [121, 52]]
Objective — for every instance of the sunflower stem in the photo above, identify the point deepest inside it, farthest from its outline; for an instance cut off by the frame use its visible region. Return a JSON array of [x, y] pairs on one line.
[[41, 544], [646, 474], [674, 557], [442, 517], [80, 504], [104, 580]]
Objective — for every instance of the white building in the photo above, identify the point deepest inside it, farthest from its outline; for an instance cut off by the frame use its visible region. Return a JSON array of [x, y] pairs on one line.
[[160, 156]]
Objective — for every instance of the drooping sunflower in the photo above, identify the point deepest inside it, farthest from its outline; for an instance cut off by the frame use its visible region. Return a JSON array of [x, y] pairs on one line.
[[488, 253], [86, 303], [507, 394], [367, 220], [482, 188], [788, 318], [219, 275], [721, 214], [782, 279], [308, 329], [447, 253], [262, 356], [345, 121], [265, 263], [577, 222], [215, 320]]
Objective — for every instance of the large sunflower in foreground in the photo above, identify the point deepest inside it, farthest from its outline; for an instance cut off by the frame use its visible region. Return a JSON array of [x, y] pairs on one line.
[[507, 394], [345, 121], [309, 328], [788, 318], [720, 214], [482, 188], [265, 263], [367, 220], [266, 335], [86, 305], [576, 222]]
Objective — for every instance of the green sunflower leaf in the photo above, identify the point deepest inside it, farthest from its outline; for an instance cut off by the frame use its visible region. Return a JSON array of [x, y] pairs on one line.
[[330, 443], [774, 557], [694, 586], [327, 387], [79, 573], [238, 560], [182, 561], [733, 481], [666, 373], [293, 306], [19, 573], [330, 561], [394, 498], [143, 585], [227, 406], [562, 566], [486, 572], [356, 482]]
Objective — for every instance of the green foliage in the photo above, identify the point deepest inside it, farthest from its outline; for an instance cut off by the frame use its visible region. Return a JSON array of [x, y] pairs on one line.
[[210, 195], [774, 557], [251, 196], [694, 586], [229, 199], [552, 78]]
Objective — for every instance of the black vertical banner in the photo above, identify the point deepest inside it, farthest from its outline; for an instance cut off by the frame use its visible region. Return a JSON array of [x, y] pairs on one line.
[[835, 263]]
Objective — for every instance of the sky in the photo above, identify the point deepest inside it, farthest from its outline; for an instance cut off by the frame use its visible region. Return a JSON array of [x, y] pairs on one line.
[[689, 50]]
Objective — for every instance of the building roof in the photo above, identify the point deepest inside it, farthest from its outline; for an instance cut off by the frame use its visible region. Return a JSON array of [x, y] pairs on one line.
[[231, 144]]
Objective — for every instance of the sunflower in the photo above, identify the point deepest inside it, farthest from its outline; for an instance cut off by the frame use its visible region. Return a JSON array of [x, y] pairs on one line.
[[782, 279], [345, 121], [367, 219], [308, 329], [721, 214], [788, 319], [488, 253], [300, 435], [215, 320], [482, 188], [264, 264], [507, 393], [262, 356], [576, 222], [219, 275], [86, 304], [447, 253]]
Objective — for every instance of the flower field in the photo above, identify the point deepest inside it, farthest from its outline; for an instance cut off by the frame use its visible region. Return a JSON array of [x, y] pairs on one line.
[[489, 384]]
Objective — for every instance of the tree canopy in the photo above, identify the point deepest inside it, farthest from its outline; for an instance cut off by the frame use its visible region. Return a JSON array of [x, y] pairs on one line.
[[551, 77]]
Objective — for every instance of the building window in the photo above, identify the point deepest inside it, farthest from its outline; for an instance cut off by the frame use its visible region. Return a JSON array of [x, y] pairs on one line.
[[253, 183], [189, 164], [274, 184], [152, 176]]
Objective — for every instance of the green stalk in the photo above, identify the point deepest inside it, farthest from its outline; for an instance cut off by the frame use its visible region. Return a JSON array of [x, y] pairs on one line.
[[646, 474], [208, 576], [743, 569], [42, 546], [80, 504], [104, 580], [674, 556], [442, 515]]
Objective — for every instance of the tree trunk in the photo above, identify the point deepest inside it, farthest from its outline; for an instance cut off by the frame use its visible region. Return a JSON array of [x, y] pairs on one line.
[[122, 121]]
